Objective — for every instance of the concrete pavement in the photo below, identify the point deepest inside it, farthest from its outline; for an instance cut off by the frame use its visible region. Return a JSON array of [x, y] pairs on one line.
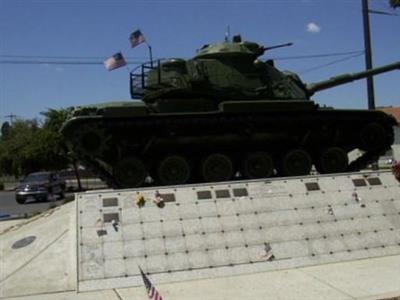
[[377, 278], [46, 264]]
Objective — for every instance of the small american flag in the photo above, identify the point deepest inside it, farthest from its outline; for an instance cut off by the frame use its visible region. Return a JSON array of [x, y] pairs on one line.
[[151, 290], [114, 62], [136, 38], [159, 199]]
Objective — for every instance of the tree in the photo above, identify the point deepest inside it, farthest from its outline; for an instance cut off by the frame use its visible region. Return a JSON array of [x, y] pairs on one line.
[[29, 147], [53, 122], [55, 118], [15, 150], [5, 129], [394, 3]]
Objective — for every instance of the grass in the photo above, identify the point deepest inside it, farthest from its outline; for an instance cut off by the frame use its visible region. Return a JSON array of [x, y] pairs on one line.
[[52, 205], [35, 213], [69, 198]]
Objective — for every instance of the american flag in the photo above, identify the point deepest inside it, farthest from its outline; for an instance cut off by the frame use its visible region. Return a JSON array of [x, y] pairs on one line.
[[136, 38], [114, 62], [151, 290], [158, 197]]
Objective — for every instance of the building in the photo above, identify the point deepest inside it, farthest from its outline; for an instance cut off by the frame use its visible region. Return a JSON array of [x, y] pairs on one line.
[[395, 152]]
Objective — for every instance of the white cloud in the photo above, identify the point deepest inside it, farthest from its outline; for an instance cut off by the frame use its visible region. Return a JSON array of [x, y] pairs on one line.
[[313, 28]]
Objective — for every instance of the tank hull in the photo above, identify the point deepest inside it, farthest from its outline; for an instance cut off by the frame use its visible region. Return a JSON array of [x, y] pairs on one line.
[[234, 141]]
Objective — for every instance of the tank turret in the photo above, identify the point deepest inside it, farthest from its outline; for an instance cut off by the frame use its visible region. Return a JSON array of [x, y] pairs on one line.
[[235, 48], [222, 115], [227, 71]]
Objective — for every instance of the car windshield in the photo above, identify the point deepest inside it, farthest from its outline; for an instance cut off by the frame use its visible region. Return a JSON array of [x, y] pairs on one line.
[[36, 177]]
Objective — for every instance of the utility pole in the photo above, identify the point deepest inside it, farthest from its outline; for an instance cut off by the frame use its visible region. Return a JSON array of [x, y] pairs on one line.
[[368, 54], [12, 117]]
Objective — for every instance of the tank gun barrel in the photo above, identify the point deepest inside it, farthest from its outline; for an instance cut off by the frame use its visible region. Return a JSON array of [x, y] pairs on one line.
[[346, 78], [277, 46], [261, 50]]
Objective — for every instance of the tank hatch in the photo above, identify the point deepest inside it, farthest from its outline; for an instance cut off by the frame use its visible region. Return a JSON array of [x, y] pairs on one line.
[[230, 48]]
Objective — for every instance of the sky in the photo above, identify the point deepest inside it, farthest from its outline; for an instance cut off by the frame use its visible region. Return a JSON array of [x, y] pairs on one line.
[[48, 31]]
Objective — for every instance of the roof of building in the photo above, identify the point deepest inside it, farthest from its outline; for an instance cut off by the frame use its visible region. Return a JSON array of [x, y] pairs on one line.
[[394, 111]]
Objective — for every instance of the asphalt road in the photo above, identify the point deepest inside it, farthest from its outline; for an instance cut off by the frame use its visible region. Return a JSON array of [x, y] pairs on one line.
[[8, 206]]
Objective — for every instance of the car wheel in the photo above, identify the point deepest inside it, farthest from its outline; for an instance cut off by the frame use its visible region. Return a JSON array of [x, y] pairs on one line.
[[20, 201]]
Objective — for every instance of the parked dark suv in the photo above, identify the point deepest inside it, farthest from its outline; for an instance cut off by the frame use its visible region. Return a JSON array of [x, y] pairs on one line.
[[41, 186]]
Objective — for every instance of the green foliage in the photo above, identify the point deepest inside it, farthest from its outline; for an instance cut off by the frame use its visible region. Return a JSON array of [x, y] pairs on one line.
[[55, 118], [395, 3], [68, 199], [5, 129], [27, 147]]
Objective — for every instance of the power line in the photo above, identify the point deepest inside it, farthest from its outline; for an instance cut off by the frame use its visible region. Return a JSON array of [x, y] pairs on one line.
[[69, 60], [48, 62], [62, 57], [385, 5], [318, 55], [378, 12], [12, 117], [330, 63]]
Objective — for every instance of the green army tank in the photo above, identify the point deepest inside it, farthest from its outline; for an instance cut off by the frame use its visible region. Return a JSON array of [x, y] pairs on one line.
[[223, 114]]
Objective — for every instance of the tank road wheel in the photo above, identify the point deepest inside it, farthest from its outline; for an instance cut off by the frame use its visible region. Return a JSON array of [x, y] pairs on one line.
[[130, 172], [173, 169], [92, 140], [216, 167], [332, 160], [296, 162], [257, 165], [372, 137]]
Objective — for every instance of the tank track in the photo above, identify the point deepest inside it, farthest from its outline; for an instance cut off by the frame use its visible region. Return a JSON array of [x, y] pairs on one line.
[[170, 129], [364, 160], [103, 174], [360, 163]]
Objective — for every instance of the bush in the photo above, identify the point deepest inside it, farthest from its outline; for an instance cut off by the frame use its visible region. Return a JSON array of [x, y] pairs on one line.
[[1, 186]]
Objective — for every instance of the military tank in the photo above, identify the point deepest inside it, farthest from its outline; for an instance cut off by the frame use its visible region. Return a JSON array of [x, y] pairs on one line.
[[223, 114]]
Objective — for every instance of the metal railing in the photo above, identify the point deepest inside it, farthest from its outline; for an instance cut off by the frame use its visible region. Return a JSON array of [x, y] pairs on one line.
[[139, 76]]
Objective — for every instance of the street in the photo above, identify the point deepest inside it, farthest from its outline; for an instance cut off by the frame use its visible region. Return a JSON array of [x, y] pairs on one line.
[[10, 208]]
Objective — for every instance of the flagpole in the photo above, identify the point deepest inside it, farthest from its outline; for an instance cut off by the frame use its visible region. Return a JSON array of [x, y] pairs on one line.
[[227, 33], [150, 54], [126, 66]]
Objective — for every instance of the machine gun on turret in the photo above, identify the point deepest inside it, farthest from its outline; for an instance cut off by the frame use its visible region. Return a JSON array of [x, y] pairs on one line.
[[261, 50]]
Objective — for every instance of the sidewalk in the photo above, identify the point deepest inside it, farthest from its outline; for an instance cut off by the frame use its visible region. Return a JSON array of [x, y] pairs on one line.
[[364, 279]]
